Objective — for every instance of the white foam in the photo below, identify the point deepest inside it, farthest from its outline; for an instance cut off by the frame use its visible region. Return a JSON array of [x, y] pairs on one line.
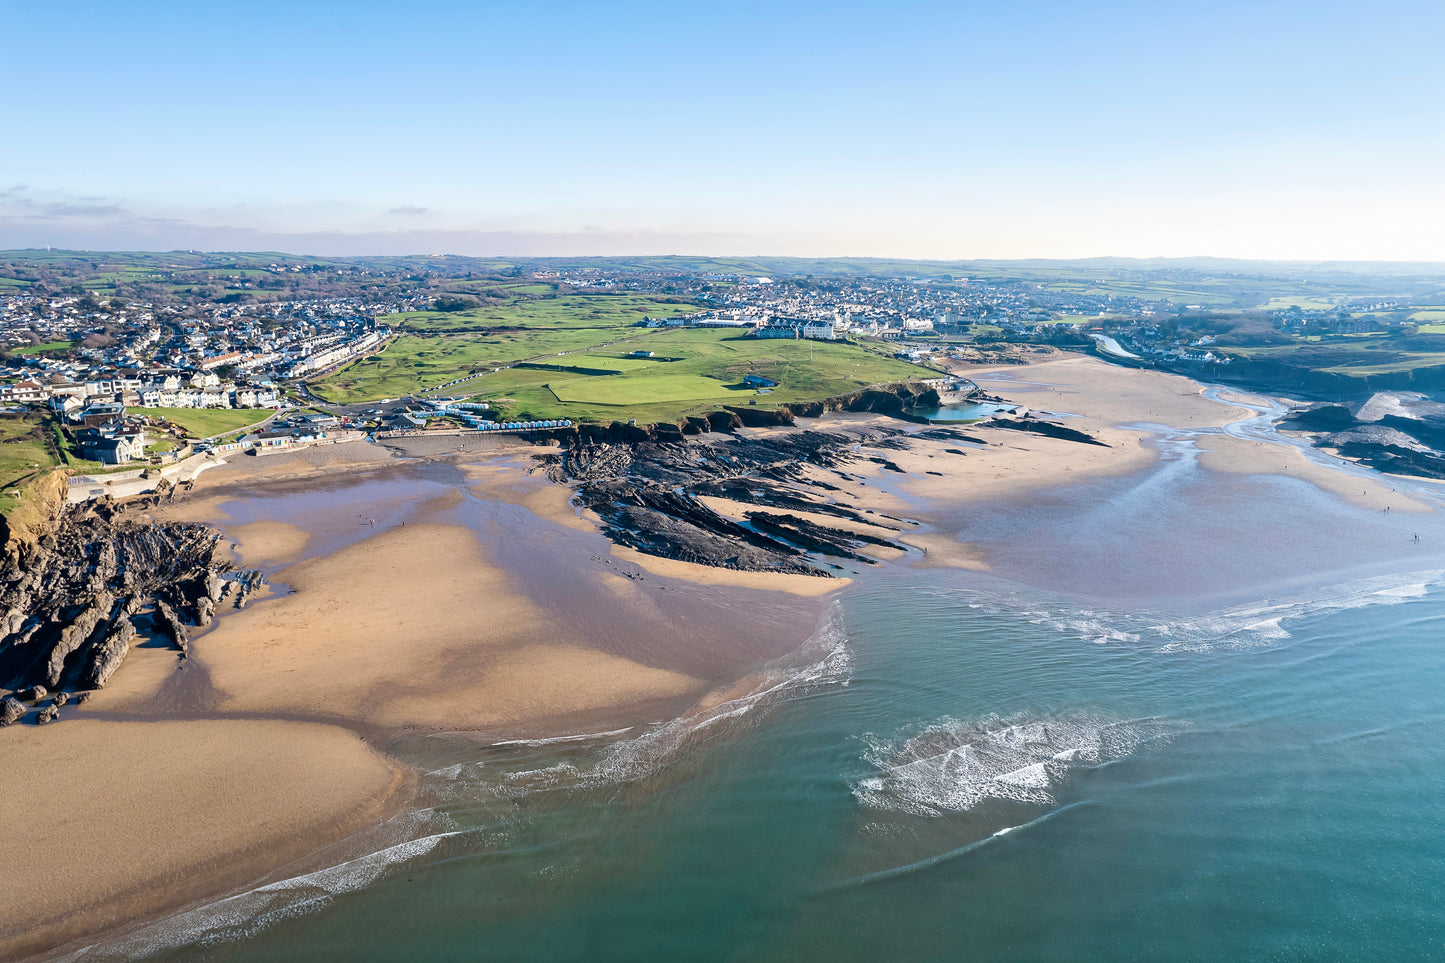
[[557, 740], [1240, 627], [1265, 622], [246, 914], [823, 660], [954, 766]]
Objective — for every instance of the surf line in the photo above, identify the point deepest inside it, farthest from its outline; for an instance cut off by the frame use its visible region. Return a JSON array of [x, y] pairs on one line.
[[922, 864]]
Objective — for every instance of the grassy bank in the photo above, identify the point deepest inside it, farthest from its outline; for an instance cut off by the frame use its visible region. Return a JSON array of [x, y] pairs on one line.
[[28, 459], [207, 422]]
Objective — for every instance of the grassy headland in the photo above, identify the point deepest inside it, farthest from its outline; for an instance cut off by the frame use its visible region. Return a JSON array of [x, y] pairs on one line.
[[561, 365]]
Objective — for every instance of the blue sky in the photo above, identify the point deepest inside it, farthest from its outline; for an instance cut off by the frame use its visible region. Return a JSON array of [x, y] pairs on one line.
[[1280, 130]]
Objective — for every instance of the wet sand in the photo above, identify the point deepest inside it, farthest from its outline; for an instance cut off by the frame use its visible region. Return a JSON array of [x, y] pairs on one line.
[[1123, 407], [415, 628], [118, 820]]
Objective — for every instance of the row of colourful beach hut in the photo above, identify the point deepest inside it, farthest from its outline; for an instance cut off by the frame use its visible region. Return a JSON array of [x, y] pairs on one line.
[[522, 425]]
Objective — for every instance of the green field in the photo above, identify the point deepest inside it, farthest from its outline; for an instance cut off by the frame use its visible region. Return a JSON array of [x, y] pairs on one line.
[[1362, 368], [436, 348], [566, 311], [1304, 303], [707, 373], [53, 346], [207, 422], [417, 362], [638, 389], [560, 370]]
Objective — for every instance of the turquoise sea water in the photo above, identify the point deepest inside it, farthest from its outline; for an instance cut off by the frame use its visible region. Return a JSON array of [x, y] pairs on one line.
[[1187, 716]]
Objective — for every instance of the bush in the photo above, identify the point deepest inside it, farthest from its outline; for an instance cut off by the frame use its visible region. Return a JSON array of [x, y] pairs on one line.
[[451, 303]]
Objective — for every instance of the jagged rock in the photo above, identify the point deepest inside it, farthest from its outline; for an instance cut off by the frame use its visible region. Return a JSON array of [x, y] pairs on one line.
[[205, 611], [214, 586], [47, 714], [76, 634], [108, 656], [172, 625], [82, 698], [34, 694], [11, 709], [248, 583], [60, 699]]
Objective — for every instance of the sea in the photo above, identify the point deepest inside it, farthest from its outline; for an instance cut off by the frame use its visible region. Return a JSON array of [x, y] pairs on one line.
[[1185, 715]]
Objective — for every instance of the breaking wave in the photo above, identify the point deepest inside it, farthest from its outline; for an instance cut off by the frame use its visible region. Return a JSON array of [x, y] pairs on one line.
[[1239, 627], [952, 766], [246, 914], [824, 660], [929, 862], [1264, 622], [557, 740]]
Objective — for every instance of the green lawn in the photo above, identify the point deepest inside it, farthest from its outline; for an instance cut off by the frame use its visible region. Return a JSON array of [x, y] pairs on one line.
[[45, 348], [207, 422], [416, 362], [638, 389], [570, 357]]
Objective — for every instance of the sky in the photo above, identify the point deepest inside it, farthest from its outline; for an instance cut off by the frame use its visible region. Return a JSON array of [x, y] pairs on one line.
[[1309, 131]]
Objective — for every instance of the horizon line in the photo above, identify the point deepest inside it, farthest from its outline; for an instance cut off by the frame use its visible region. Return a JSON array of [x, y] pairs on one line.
[[756, 256]]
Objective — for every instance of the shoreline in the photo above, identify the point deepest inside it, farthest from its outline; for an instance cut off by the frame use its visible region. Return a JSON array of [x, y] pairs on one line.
[[492, 545]]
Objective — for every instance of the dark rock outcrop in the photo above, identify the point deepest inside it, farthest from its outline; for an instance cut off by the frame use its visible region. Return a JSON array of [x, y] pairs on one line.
[[69, 599], [170, 623], [1400, 446], [1048, 429], [11, 710], [650, 497], [74, 635], [108, 656]]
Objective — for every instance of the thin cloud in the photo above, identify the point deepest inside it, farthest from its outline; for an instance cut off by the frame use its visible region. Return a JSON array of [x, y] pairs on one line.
[[409, 210]]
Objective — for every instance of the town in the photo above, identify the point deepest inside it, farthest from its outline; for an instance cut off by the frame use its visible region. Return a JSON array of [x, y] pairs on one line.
[[116, 354]]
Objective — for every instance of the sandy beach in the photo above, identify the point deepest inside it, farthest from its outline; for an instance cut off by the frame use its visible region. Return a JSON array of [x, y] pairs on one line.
[[448, 587], [119, 820]]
